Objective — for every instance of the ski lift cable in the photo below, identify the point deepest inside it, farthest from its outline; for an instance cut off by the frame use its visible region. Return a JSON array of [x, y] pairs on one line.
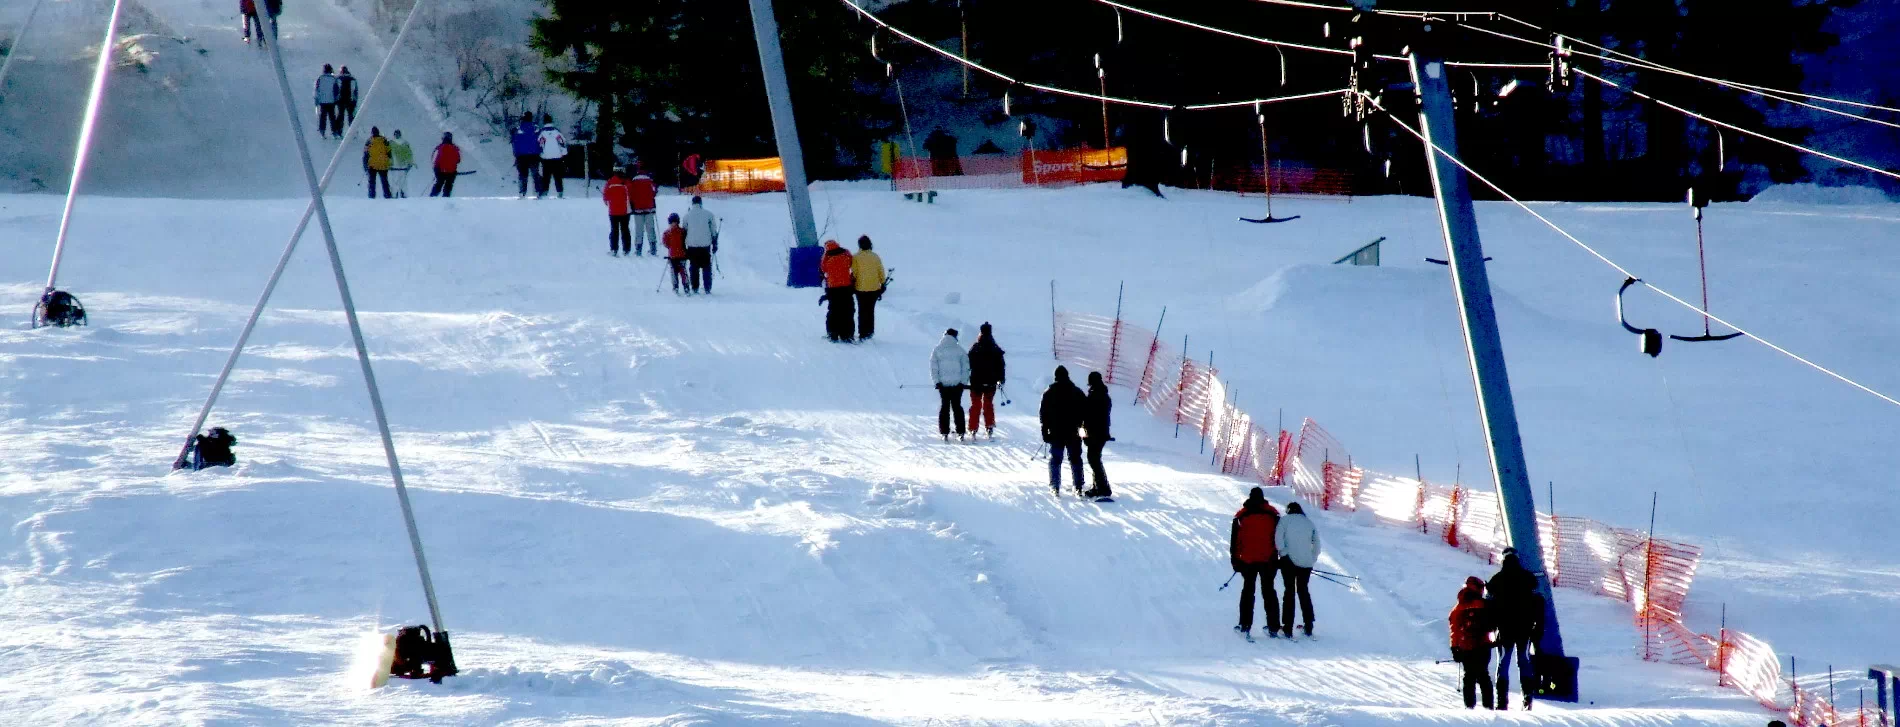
[[87, 124], [1473, 64], [1612, 55], [283, 261], [1737, 129], [1006, 78], [1617, 267]]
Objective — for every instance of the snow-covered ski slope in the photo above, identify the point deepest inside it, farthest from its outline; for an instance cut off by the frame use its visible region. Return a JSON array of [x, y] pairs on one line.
[[647, 509], [190, 110]]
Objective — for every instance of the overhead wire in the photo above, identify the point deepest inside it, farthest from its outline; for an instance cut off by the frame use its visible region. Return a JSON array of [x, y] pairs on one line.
[[1006, 78], [1733, 127], [1627, 273]]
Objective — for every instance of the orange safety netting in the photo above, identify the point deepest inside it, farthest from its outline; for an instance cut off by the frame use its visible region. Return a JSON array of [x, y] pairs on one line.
[[1650, 574]]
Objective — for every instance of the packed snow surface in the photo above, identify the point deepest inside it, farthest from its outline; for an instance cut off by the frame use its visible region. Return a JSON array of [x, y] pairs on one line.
[[644, 508]]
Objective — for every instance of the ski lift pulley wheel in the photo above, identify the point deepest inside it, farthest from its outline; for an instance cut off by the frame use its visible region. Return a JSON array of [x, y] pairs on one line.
[[58, 308]]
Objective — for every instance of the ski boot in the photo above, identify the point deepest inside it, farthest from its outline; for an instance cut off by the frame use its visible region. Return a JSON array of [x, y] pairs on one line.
[[1244, 633]]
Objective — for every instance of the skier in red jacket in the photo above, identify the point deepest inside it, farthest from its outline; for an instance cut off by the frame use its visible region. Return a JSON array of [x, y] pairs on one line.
[[448, 156], [618, 196], [642, 193], [1251, 552]]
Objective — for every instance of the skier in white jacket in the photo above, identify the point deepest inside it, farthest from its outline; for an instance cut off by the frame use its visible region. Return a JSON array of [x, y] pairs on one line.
[[329, 117], [950, 371], [553, 151], [1297, 542]]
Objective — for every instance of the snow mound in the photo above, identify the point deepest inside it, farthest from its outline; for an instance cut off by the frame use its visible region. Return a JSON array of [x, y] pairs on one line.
[[1818, 194]]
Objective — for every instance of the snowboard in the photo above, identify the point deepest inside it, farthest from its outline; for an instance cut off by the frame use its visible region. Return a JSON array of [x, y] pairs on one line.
[[384, 658]]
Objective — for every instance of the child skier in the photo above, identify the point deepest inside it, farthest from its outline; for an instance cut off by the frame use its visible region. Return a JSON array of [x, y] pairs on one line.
[[1471, 641], [675, 239]]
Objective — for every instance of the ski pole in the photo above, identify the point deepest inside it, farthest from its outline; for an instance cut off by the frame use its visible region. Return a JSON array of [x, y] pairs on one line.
[[1348, 586], [1005, 391], [915, 386], [1230, 581], [665, 270], [1330, 573]]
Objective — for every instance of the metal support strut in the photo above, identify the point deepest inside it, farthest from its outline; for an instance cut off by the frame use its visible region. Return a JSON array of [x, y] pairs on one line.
[[1484, 346], [356, 328]]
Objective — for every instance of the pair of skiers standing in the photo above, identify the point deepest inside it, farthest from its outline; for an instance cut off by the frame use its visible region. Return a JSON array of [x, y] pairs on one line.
[[1072, 421], [1510, 605], [1264, 543], [631, 207], [384, 155], [981, 370], [853, 281], [540, 153], [336, 101]]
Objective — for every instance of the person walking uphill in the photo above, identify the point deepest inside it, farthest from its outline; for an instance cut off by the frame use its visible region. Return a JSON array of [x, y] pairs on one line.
[[986, 374], [950, 371], [448, 156], [346, 93], [248, 9], [328, 120], [1298, 544], [1518, 612], [525, 141], [1095, 420], [402, 158], [643, 199], [702, 242], [867, 271], [618, 197], [1061, 428], [1471, 641], [836, 268], [553, 151], [1250, 550]]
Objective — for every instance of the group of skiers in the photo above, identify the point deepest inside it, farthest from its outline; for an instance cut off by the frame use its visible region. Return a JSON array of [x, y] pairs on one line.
[[853, 282], [1071, 420], [1263, 543], [1510, 606], [539, 153], [690, 243], [383, 155], [980, 370]]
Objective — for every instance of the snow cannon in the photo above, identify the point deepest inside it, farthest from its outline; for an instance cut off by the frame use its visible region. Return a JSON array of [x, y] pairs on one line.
[[419, 653], [58, 308]]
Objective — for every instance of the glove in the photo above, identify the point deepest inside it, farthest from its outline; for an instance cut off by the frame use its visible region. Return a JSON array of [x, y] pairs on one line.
[[1235, 563]]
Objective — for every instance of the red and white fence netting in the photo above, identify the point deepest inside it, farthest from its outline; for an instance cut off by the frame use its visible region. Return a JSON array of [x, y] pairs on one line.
[[1650, 574]]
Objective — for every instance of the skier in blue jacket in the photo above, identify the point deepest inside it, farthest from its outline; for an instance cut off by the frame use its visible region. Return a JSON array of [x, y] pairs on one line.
[[527, 149]]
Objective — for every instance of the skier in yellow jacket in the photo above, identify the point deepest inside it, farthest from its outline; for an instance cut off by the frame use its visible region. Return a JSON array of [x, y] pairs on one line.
[[376, 162], [868, 272]]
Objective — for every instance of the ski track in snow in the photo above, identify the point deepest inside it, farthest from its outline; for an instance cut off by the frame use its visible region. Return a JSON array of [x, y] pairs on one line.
[[648, 509]]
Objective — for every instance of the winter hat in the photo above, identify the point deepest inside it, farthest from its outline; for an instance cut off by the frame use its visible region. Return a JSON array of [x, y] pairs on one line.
[[1062, 375], [1473, 590], [447, 137], [864, 242], [346, 69], [695, 200], [527, 116], [1293, 508], [1095, 380], [328, 69], [984, 329], [374, 131], [951, 332], [398, 133], [672, 217], [547, 118]]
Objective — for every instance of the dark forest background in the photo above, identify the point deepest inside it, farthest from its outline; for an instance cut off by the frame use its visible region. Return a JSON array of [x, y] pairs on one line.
[[674, 77]]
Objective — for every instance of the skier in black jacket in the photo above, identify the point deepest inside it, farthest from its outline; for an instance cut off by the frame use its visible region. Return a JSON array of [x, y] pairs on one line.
[[986, 373], [1061, 428], [1519, 613], [1095, 411]]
